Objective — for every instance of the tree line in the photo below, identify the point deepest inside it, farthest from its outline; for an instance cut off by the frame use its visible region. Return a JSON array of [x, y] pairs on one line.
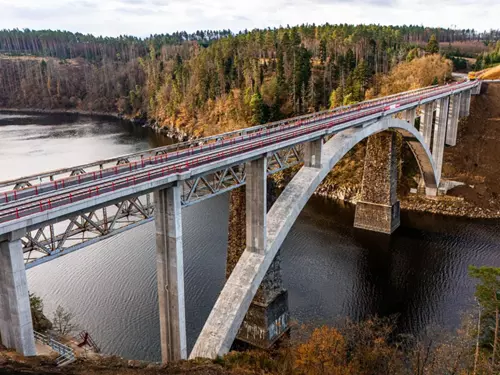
[[209, 81]]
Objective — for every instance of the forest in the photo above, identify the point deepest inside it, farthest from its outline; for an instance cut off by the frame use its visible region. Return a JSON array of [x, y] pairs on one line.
[[489, 58], [212, 81]]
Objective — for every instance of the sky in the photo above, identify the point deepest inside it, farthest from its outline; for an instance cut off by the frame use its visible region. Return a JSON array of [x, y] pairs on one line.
[[145, 17]]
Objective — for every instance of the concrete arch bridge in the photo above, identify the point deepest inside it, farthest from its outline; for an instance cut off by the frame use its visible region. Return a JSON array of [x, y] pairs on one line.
[[50, 214]]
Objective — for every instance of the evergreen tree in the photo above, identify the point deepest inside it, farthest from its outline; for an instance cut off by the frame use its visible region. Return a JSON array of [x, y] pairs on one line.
[[258, 109], [333, 99], [433, 45]]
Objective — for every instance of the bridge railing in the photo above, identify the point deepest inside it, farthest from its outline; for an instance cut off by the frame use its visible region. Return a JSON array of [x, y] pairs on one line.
[[97, 166], [66, 354], [78, 176], [159, 171], [55, 238]]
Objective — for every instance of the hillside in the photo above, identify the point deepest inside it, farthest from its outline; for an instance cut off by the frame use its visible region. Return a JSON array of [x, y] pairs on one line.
[[211, 81]]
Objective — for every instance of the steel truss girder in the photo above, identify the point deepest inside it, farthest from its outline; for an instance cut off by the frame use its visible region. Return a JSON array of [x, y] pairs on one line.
[[57, 239], [201, 187], [50, 241]]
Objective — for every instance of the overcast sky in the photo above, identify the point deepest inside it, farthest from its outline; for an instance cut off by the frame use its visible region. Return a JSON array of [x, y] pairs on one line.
[[144, 17]]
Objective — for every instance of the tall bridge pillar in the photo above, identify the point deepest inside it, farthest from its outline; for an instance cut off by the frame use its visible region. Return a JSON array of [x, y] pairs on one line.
[[426, 122], [267, 317], [440, 133], [16, 327], [476, 90], [452, 125], [378, 209], [465, 103], [170, 273], [256, 205], [410, 115]]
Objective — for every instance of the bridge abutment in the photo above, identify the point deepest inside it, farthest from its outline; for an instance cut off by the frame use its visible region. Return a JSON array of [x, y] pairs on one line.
[[170, 273], [16, 326], [378, 209], [266, 320]]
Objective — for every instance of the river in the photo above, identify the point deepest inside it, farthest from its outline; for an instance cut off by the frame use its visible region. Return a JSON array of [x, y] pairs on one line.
[[331, 270]]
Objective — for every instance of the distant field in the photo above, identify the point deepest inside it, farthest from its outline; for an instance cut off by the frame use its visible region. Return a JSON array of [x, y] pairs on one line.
[[468, 47]]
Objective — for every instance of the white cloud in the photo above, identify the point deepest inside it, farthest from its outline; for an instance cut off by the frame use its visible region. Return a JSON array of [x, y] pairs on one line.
[[144, 17]]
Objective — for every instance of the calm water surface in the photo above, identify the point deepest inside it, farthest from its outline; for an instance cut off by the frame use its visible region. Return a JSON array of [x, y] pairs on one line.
[[330, 269]]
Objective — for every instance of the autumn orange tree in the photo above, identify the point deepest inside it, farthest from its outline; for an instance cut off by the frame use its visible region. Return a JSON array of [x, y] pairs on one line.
[[324, 353]]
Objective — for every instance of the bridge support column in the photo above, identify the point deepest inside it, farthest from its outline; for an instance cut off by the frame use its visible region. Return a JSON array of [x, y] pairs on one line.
[[267, 317], [256, 205], [410, 115], [440, 133], [312, 153], [426, 122], [465, 103], [170, 273], [16, 327], [452, 125], [378, 210], [477, 89]]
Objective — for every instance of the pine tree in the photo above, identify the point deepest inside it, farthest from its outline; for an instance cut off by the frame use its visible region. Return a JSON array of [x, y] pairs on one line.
[[333, 99], [433, 45], [258, 108]]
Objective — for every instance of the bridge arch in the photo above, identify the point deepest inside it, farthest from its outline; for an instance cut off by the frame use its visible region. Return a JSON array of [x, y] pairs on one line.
[[229, 311]]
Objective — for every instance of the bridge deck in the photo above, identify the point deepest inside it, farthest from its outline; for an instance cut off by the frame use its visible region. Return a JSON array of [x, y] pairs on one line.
[[205, 168]]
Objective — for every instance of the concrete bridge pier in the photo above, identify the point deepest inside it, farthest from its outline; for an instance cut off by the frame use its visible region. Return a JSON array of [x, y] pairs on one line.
[[410, 115], [426, 122], [465, 103], [267, 318], [452, 125], [378, 209], [312, 153], [170, 273], [476, 90], [16, 327], [440, 134]]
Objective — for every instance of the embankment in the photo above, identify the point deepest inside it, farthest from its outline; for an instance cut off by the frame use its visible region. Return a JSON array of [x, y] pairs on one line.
[[473, 161]]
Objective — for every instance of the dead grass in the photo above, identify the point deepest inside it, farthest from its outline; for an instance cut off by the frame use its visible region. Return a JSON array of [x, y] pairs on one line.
[[491, 73]]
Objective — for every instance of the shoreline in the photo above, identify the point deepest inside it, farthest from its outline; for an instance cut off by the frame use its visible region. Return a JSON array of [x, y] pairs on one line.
[[164, 130], [63, 111], [447, 205]]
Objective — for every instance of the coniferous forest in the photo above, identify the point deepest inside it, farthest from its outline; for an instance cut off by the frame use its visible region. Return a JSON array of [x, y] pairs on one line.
[[213, 81]]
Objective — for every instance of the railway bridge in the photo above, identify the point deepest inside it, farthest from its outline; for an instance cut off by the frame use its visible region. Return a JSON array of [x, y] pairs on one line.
[[54, 213]]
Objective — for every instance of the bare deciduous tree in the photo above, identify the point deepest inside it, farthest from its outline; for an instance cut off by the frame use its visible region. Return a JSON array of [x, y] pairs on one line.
[[63, 321]]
